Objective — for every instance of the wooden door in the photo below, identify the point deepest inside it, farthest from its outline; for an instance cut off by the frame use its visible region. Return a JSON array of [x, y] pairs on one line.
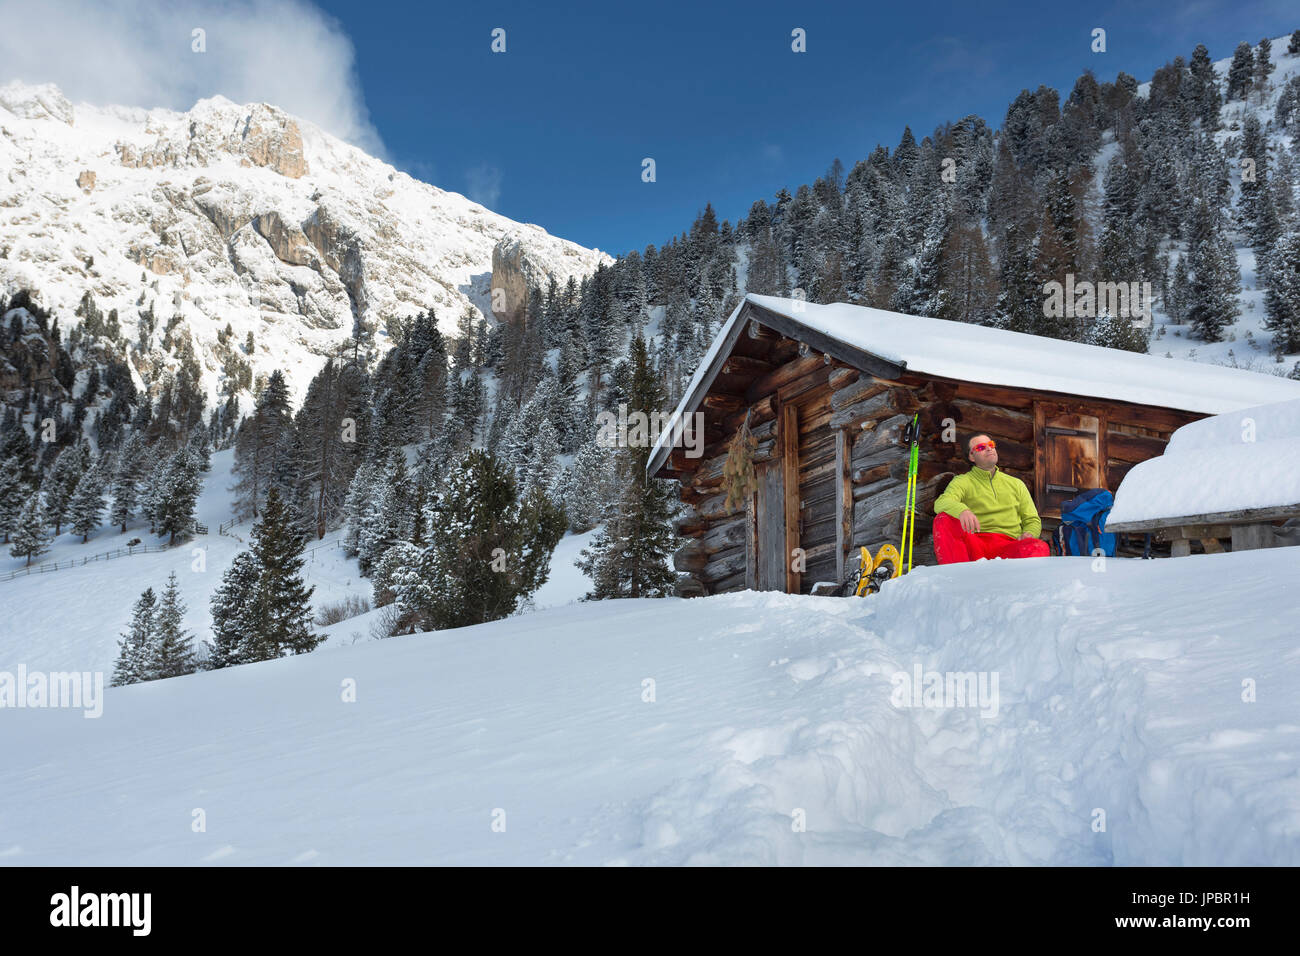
[[1069, 455], [769, 527], [818, 504]]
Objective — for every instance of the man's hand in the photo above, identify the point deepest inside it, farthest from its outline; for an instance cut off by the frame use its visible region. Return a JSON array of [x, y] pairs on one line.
[[969, 523], [1027, 535]]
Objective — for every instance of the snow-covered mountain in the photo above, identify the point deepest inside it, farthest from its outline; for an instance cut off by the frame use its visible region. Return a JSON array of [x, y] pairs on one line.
[[248, 216]]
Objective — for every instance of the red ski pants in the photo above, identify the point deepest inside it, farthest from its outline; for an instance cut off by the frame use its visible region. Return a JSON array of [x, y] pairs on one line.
[[953, 545]]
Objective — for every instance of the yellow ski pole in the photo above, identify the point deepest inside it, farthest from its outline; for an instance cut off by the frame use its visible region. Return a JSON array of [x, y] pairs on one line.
[[912, 435]]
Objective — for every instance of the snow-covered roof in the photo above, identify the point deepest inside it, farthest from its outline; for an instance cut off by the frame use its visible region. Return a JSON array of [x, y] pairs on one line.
[[1248, 460], [973, 353]]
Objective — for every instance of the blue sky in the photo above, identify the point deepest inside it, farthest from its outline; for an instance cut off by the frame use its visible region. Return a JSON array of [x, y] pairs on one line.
[[553, 131]]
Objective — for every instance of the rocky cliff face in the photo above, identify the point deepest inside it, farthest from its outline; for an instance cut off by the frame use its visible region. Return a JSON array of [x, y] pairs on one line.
[[244, 215], [516, 267]]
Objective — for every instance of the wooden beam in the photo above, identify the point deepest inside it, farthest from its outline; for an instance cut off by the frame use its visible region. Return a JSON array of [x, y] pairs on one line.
[[844, 519], [756, 331], [1240, 516], [745, 365], [1133, 448], [751, 541], [723, 403], [790, 469], [781, 375]]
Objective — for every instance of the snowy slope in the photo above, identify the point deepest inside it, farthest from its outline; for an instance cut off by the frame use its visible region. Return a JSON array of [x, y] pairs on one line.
[[241, 214], [1119, 690], [74, 617], [1249, 459]]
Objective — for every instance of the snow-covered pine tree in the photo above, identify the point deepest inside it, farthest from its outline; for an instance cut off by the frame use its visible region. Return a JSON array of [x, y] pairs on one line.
[[1204, 85], [487, 549], [1120, 240], [542, 471], [469, 402], [135, 646], [126, 481], [178, 496], [1282, 298], [262, 447], [59, 484], [588, 486], [13, 493], [87, 505], [1216, 280], [358, 506], [171, 652], [1241, 72], [392, 520], [30, 534], [281, 608], [629, 556], [1180, 290], [232, 606], [1264, 65]]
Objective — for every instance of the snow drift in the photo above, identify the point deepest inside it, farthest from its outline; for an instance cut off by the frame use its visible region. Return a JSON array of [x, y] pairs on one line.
[[1245, 460]]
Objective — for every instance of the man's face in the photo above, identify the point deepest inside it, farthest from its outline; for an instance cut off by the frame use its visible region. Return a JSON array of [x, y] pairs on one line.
[[986, 459]]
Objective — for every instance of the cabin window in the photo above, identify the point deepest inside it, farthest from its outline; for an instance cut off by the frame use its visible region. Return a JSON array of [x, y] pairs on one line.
[[1069, 454]]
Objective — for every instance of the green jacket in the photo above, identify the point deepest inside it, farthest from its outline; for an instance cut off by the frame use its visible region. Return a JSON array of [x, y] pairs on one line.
[[1001, 502]]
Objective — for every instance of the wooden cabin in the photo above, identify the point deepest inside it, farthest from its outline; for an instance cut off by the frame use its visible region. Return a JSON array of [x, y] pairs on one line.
[[827, 390]]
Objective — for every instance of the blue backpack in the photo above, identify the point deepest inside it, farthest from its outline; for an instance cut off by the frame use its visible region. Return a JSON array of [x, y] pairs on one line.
[[1083, 524]]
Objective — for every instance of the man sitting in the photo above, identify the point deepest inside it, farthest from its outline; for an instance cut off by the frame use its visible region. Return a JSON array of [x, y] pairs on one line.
[[986, 513]]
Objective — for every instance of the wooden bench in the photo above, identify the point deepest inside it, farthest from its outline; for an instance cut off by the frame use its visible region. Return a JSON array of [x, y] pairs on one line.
[[1247, 529]]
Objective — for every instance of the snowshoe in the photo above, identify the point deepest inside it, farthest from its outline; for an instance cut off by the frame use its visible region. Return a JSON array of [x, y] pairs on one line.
[[884, 566]]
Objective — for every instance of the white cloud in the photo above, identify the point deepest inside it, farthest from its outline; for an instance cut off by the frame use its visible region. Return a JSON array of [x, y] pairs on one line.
[[484, 185], [136, 53]]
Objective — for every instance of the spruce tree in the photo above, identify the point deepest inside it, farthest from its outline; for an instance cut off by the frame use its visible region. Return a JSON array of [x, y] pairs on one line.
[[125, 481], [1205, 88], [1216, 280], [1264, 64], [178, 496], [87, 505], [13, 494], [281, 609], [133, 658], [1282, 298], [170, 651], [59, 484], [588, 486], [263, 449], [232, 606], [390, 521], [1241, 72], [31, 536], [630, 555], [487, 551]]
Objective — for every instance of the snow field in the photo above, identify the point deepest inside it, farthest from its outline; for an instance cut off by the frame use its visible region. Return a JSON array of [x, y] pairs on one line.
[[1120, 690]]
